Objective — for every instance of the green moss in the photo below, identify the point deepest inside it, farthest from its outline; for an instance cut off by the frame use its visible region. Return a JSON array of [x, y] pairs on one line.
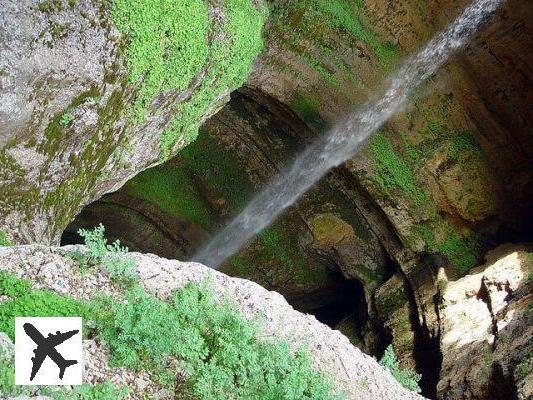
[[170, 188], [394, 174], [169, 46], [308, 108], [66, 119], [315, 20], [4, 241], [461, 251], [221, 170], [231, 58], [464, 143], [396, 177]]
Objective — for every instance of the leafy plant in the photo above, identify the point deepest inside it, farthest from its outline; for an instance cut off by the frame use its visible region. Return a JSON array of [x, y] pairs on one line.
[[66, 119], [217, 347], [219, 350], [405, 376], [4, 241], [113, 257], [11, 286], [37, 303], [41, 303]]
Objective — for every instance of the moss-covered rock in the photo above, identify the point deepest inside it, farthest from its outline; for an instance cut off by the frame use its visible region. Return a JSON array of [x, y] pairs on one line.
[[123, 86]]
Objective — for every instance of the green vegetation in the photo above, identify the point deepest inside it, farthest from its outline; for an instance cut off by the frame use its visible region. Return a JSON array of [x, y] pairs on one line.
[[307, 108], [169, 46], [461, 251], [314, 21], [231, 58], [100, 391], [396, 178], [464, 143], [405, 376], [4, 241], [11, 286], [219, 350], [524, 368], [393, 172], [50, 6], [172, 190], [66, 119], [37, 303], [114, 258]]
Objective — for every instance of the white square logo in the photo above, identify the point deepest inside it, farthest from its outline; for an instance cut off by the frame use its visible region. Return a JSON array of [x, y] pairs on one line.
[[48, 351]]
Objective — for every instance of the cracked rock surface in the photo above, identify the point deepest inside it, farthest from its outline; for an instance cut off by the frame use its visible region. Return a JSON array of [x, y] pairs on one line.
[[487, 329]]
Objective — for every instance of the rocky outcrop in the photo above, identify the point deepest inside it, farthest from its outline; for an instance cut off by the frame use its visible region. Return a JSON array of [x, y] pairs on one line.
[[487, 331], [93, 92], [355, 373]]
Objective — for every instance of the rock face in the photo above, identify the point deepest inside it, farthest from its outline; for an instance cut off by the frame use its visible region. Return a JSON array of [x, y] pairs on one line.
[[487, 330], [354, 372], [82, 110], [442, 182]]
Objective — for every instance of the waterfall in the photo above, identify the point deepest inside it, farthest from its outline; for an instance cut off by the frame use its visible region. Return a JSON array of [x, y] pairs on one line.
[[344, 139]]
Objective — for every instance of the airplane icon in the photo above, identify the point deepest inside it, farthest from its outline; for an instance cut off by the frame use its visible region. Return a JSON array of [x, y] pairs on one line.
[[46, 348]]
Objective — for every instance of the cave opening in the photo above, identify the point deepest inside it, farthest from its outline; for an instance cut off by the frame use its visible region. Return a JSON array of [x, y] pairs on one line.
[[238, 149], [349, 304]]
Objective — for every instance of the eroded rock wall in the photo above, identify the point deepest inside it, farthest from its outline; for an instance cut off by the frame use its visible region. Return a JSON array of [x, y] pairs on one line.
[[93, 92]]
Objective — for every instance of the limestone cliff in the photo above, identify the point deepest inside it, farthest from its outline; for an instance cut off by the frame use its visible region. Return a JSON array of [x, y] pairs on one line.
[[366, 249], [93, 92]]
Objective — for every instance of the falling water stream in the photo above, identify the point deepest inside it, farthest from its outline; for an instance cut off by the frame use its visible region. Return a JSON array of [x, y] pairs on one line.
[[344, 139]]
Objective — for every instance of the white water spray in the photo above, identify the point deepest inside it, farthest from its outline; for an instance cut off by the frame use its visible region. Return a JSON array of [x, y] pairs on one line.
[[344, 139]]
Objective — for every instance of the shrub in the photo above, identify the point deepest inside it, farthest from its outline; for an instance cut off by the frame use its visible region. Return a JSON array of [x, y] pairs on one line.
[[66, 119], [218, 348], [38, 303], [23, 302], [218, 352], [4, 241], [113, 257], [405, 376]]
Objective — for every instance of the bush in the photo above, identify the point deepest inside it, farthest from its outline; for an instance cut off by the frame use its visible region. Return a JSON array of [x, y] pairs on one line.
[[218, 349], [405, 376], [113, 257], [191, 344]]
